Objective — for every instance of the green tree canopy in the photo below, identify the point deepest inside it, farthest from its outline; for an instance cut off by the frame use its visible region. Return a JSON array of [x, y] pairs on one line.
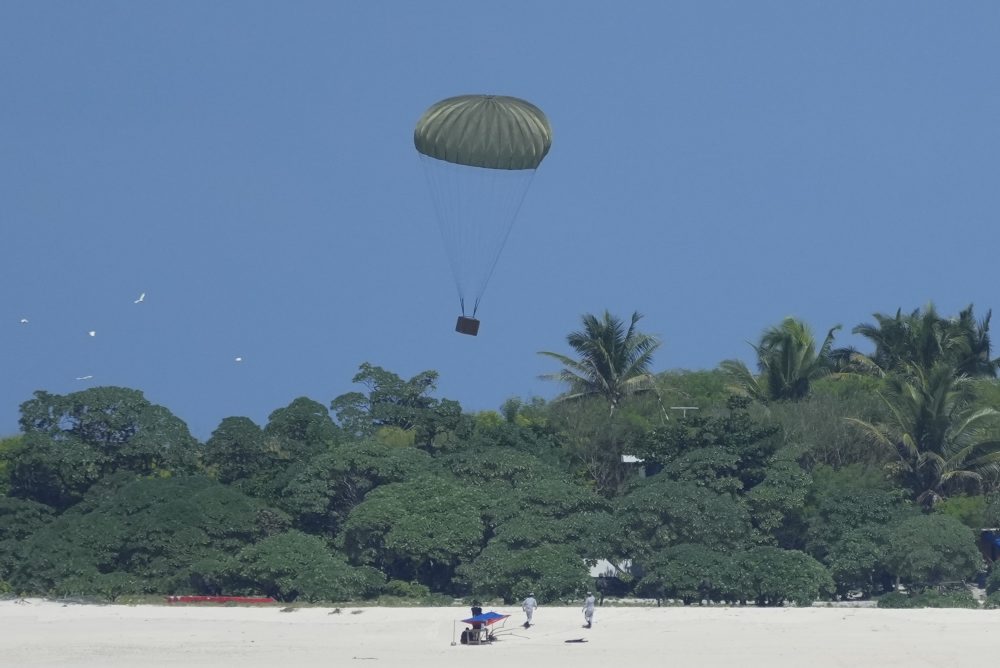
[[19, 519], [237, 450], [815, 427], [153, 529], [772, 576], [690, 573], [7, 446], [393, 402], [659, 512], [294, 566], [324, 492], [726, 453], [72, 441], [842, 500], [857, 560], [301, 429], [551, 571], [930, 549], [417, 531], [779, 499]]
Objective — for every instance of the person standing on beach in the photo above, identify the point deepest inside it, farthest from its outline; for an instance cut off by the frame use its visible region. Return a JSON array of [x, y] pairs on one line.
[[528, 605], [588, 609]]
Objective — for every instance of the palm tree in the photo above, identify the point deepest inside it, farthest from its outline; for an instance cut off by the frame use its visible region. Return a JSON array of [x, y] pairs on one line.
[[612, 363], [788, 363], [939, 441], [613, 360], [923, 338], [975, 359]]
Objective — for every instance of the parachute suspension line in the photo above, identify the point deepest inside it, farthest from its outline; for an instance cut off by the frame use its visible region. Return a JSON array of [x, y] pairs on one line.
[[512, 206], [445, 197], [476, 209]]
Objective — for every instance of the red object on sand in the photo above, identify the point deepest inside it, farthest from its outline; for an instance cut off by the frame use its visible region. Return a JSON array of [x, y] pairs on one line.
[[220, 599]]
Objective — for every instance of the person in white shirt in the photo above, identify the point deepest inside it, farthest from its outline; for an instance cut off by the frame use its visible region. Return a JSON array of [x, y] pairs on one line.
[[588, 609], [528, 605]]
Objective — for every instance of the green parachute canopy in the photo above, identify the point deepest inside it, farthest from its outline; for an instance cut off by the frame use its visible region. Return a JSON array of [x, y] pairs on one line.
[[489, 131]]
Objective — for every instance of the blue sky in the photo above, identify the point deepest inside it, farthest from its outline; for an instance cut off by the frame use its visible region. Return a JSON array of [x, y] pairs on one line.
[[249, 166]]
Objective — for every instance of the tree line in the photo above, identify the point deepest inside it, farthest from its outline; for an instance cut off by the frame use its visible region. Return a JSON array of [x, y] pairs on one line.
[[823, 472]]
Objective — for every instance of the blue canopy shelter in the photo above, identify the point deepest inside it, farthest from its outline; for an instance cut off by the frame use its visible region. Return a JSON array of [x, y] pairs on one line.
[[486, 618], [482, 628], [989, 543]]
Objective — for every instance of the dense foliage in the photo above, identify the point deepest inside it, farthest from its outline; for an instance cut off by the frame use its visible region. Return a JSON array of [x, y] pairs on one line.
[[826, 473]]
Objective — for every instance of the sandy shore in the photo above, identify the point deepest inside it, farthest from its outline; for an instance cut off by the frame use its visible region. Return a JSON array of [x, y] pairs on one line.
[[45, 633]]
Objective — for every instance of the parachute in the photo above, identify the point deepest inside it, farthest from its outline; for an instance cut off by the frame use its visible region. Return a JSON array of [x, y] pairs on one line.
[[479, 153]]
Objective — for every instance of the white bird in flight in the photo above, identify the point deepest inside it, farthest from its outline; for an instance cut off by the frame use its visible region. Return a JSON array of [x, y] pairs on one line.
[[24, 321], [92, 333], [142, 297], [238, 359], [84, 377]]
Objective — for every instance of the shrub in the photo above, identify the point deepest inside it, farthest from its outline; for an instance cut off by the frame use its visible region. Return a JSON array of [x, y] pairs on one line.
[[688, 572], [930, 549], [551, 571], [773, 576], [295, 565], [401, 589], [856, 561], [105, 586], [969, 510], [930, 599]]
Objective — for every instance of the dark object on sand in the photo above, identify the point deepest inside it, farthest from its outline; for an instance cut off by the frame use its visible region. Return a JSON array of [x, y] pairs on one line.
[[576, 640]]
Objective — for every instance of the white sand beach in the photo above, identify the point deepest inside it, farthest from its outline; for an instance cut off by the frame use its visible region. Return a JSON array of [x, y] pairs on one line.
[[35, 632]]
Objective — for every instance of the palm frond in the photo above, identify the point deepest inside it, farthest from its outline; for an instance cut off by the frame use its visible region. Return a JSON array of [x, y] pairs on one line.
[[612, 359]]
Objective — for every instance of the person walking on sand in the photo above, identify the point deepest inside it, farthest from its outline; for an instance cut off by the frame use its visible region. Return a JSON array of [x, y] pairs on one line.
[[588, 610], [528, 605]]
